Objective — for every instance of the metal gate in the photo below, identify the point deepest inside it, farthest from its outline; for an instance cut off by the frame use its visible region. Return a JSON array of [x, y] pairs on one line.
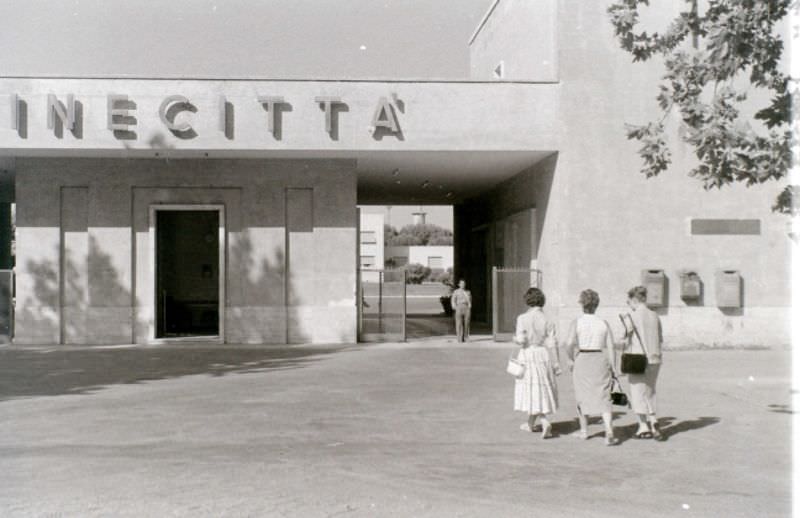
[[508, 288], [382, 306]]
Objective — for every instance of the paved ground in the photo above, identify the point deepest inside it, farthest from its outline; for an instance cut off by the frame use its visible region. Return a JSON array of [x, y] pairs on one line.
[[378, 430]]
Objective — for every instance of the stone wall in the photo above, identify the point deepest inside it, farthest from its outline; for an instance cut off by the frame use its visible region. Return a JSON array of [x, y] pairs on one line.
[[85, 265]]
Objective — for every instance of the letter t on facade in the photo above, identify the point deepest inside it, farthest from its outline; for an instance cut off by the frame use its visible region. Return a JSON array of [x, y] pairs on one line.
[[327, 103]]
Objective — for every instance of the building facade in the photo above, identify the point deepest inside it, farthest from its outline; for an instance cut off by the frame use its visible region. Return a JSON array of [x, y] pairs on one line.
[[225, 209]]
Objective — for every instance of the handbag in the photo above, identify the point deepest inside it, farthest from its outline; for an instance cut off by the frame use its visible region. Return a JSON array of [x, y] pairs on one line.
[[618, 397], [631, 363], [515, 367]]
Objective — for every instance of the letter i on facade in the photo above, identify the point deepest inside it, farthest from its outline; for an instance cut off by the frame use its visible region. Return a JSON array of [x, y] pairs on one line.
[[14, 105]]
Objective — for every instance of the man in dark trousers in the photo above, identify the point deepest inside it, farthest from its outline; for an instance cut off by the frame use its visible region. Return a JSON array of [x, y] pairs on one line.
[[461, 300]]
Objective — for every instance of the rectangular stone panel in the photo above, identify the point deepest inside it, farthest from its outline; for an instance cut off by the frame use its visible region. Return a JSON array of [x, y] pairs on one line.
[[300, 246], [74, 264], [711, 227]]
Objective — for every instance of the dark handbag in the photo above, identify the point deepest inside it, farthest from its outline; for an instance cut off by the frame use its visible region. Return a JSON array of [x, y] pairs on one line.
[[618, 397], [631, 363]]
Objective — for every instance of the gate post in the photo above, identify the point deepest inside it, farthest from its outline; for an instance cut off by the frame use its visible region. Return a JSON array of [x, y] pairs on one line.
[[405, 309], [494, 304], [381, 279], [359, 306]]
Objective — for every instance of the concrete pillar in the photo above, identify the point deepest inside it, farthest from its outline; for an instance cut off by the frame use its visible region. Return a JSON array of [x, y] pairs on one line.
[[5, 236]]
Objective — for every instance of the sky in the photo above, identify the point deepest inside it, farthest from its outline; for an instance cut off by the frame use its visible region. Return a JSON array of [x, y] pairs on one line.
[[268, 39], [400, 215], [287, 39]]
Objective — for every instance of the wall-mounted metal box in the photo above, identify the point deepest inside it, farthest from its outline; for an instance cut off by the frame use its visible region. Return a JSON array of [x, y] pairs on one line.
[[655, 281], [691, 286], [729, 289]]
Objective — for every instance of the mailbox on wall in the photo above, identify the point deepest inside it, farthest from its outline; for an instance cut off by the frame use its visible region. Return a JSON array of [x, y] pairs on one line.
[[655, 281], [729, 289], [691, 286]]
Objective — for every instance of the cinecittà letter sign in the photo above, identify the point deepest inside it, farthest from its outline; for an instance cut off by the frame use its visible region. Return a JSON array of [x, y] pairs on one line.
[[176, 113]]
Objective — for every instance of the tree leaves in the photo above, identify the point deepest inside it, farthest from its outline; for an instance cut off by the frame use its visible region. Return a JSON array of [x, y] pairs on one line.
[[734, 42], [418, 235]]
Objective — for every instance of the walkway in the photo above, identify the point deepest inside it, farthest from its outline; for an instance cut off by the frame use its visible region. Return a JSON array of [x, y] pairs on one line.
[[419, 429]]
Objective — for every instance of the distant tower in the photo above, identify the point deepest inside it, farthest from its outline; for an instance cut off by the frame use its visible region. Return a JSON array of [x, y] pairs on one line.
[[419, 218]]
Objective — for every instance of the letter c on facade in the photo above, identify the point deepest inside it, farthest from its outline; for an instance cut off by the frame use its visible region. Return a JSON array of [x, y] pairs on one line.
[[165, 105]]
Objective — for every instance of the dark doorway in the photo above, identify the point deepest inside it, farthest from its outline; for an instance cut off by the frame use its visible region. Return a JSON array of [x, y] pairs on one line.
[[187, 273], [479, 273]]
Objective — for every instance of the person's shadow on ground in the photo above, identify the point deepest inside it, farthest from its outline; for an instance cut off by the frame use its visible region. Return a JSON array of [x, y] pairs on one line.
[[669, 426]]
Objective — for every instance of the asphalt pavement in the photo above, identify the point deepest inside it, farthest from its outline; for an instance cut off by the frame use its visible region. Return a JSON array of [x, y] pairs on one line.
[[418, 429]]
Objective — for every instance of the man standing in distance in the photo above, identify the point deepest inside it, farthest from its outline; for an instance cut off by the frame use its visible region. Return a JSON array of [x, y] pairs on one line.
[[461, 300]]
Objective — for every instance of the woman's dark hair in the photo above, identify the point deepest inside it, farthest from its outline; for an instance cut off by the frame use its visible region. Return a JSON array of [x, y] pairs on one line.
[[639, 293], [589, 300], [534, 297]]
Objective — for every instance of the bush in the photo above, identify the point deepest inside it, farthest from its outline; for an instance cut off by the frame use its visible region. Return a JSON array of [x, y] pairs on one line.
[[416, 273], [418, 235], [443, 276]]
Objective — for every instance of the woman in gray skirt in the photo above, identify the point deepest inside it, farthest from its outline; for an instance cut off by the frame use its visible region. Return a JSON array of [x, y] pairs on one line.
[[590, 345], [645, 337]]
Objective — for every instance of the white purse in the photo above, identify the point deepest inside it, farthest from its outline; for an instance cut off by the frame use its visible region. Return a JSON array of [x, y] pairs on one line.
[[515, 367]]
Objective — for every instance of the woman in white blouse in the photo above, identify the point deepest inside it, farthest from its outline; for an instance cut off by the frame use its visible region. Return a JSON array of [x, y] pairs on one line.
[[536, 392], [590, 346]]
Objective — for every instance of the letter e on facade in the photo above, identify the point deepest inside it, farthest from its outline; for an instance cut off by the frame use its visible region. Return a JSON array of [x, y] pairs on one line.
[[118, 117]]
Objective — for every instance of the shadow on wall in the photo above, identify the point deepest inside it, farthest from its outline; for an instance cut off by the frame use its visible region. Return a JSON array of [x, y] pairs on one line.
[[263, 289], [81, 288], [90, 303], [65, 371], [262, 286], [105, 287], [545, 174], [33, 318]]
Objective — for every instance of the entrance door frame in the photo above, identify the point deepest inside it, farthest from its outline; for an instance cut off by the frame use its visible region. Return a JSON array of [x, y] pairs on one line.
[[152, 324]]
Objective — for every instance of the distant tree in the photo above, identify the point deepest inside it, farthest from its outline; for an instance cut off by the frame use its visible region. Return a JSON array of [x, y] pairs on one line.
[[441, 239], [406, 240], [444, 276], [389, 233], [712, 61], [416, 273], [423, 234]]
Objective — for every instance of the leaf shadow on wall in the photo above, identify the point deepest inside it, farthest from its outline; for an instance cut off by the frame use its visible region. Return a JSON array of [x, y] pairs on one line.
[[265, 288]]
